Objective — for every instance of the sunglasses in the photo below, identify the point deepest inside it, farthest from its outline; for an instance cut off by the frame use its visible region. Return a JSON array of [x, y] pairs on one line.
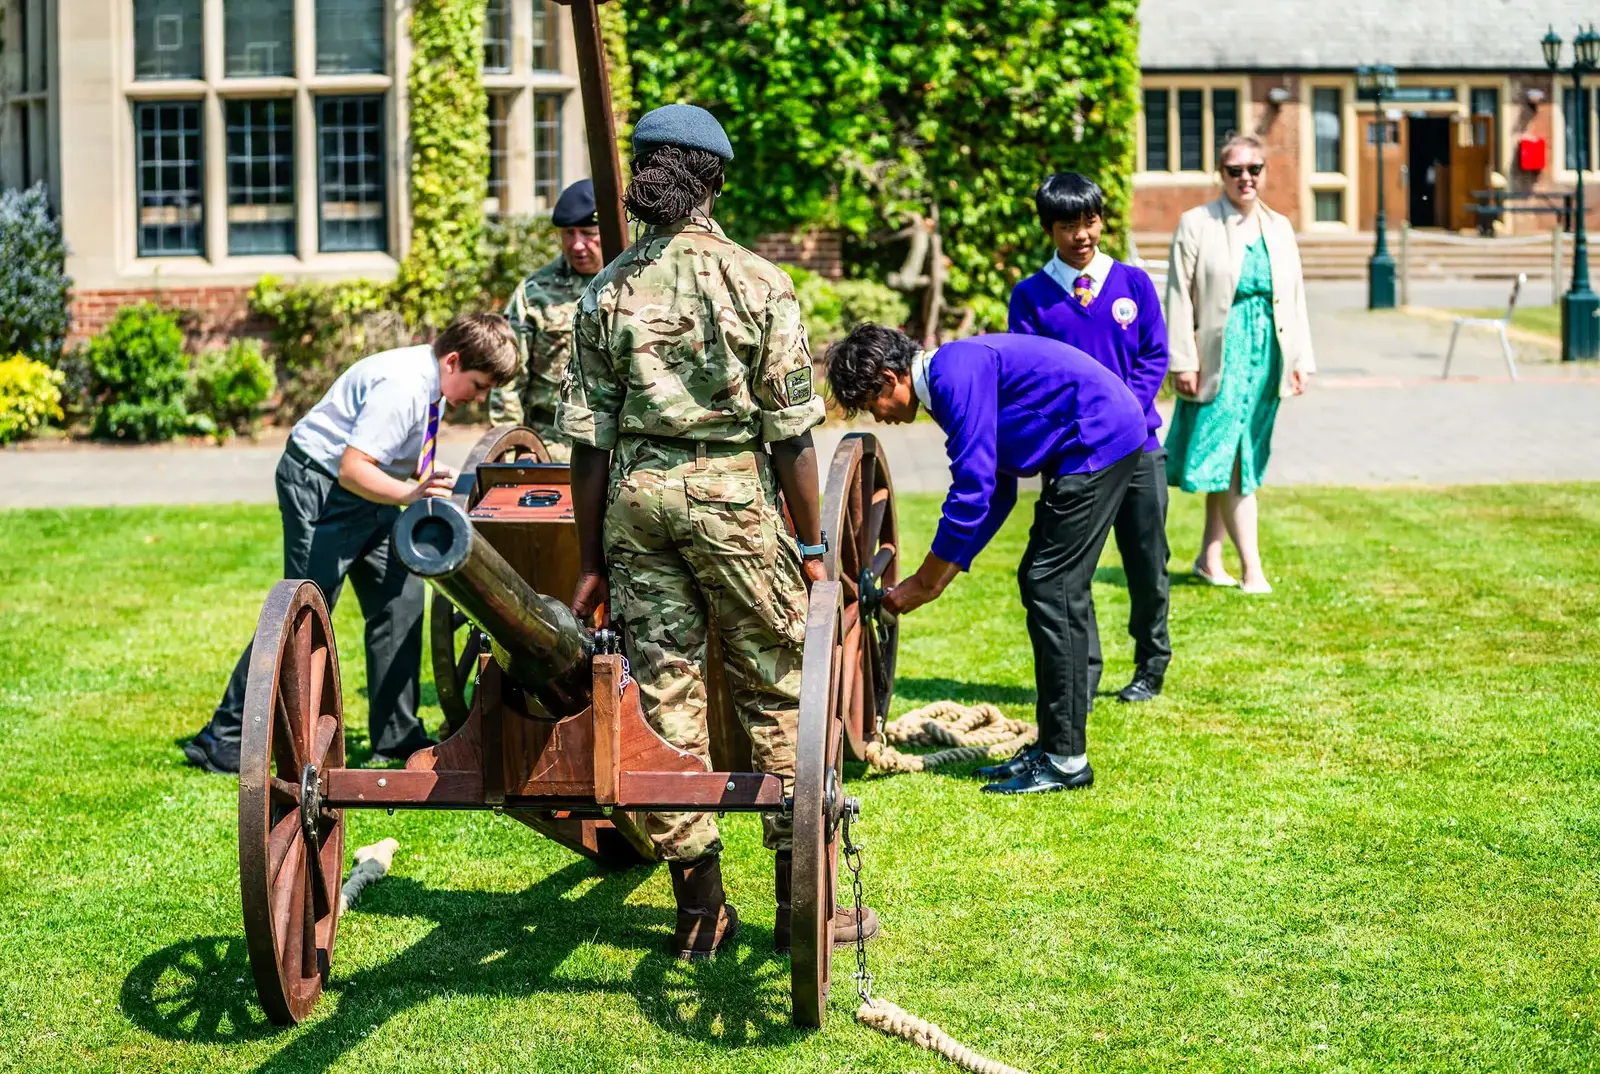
[[1236, 170]]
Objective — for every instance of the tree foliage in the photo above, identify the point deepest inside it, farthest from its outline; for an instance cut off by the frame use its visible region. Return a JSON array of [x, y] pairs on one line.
[[855, 115]]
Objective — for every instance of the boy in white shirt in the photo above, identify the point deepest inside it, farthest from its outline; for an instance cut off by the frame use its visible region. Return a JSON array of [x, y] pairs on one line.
[[345, 474]]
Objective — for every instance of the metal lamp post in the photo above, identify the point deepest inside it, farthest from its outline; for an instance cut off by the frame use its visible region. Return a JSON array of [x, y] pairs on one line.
[[1375, 81], [1580, 306]]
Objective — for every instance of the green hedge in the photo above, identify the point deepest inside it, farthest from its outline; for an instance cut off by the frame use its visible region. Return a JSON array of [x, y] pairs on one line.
[[850, 115]]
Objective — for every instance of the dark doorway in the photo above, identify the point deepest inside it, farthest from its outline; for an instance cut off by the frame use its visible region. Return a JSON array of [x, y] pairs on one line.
[[1428, 165]]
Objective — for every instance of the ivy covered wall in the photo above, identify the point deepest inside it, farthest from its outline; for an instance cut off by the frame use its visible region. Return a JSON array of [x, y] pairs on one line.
[[449, 160]]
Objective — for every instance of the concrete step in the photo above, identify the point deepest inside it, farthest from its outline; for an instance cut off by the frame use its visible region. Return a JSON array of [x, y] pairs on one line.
[[1432, 255]]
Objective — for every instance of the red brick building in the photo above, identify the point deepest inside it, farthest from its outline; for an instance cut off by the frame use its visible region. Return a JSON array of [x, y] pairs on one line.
[[1475, 108]]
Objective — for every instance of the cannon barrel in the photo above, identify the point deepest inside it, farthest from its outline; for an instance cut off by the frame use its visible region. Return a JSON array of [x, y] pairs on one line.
[[537, 640]]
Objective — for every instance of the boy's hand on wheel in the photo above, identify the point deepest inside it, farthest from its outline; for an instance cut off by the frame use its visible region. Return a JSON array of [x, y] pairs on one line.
[[814, 571]]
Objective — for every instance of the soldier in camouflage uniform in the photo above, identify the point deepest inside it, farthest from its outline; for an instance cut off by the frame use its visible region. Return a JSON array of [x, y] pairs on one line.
[[689, 355], [541, 311]]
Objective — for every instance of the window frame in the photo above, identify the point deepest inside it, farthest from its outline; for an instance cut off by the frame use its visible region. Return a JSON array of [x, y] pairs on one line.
[[556, 183], [229, 7], [199, 162], [386, 194], [199, 72], [1173, 84], [249, 160]]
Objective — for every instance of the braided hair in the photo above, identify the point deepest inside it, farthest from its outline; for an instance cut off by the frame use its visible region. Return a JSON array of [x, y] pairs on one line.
[[669, 182]]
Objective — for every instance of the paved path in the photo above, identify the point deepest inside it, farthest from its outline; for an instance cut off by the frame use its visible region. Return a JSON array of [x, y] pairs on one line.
[[1377, 414]]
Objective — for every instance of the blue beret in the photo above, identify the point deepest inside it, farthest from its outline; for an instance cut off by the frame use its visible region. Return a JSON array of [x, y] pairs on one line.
[[686, 125], [575, 206]]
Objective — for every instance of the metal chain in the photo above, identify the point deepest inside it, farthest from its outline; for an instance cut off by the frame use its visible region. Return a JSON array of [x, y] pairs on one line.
[[852, 861]]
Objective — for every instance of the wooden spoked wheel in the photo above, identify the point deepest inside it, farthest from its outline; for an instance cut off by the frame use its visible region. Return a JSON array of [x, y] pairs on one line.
[[454, 644], [291, 847], [863, 546], [819, 804]]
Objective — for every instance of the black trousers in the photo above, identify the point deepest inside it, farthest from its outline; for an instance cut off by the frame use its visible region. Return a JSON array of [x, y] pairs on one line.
[[1070, 524], [330, 534], [1141, 532]]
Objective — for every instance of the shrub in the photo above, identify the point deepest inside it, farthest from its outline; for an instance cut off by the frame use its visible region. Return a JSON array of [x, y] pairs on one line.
[[513, 247], [318, 330], [33, 276], [820, 309], [138, 376], [229, 386], [30, 395], [864, 301]]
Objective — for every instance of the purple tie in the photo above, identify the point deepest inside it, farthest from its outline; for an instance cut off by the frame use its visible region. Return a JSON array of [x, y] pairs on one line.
[[1083, 289], [425, 464]]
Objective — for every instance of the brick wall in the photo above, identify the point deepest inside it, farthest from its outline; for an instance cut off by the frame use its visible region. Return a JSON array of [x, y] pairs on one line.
[[819, 251], [213, 315], [1279, 127], [1157, 208]]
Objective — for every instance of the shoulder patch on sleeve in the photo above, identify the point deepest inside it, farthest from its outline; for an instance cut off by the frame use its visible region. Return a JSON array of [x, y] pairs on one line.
[[797, 386]]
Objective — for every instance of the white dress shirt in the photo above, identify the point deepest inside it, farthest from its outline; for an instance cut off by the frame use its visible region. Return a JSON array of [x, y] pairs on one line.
[[1098, 269]]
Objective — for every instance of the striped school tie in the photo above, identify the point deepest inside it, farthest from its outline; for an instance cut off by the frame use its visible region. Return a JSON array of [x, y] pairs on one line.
[[1083, 290], [425, 463]]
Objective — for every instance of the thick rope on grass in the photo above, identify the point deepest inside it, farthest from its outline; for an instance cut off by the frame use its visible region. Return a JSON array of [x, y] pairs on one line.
[[884, 1016], [972, 733], [372, 862]]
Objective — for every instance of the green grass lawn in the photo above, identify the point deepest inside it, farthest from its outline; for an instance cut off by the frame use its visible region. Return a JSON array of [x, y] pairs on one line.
[[1359, 833], [1544, 320]]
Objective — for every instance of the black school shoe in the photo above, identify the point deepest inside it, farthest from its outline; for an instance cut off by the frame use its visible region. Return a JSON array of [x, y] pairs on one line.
[[1042, 776], [1009, 769], [206, 751], [1146, 686]]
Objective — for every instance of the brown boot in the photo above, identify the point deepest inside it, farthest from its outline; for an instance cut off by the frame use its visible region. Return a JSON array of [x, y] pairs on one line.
[[705, 920], [844, 917]]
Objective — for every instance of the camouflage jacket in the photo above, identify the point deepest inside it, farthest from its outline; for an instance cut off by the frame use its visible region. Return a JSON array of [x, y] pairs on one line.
[[541, 312], [688, 335]]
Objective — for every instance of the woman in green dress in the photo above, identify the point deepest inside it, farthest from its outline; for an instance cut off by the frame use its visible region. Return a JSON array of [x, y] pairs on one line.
[[1240, 343]]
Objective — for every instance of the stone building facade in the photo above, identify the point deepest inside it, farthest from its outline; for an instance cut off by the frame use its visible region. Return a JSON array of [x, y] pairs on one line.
[[194, 145]]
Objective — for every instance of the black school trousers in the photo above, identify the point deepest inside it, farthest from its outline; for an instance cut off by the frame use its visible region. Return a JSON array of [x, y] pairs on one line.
[[1070, 523], [330, 534], [1140, 529]]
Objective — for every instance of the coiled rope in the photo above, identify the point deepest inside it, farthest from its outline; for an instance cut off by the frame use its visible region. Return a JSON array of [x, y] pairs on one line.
[[971, 733]]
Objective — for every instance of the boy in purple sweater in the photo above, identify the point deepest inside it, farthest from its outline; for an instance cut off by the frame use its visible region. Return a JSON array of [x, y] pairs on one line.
[[1014, 406], [1111, 311]]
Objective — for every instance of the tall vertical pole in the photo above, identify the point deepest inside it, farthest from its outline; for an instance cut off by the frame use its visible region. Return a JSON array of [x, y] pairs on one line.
[[1380, 269], [1580, 307], [604, 166]]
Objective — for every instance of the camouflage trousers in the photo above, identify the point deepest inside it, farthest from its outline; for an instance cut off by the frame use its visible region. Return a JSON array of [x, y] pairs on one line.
[[695, 541]]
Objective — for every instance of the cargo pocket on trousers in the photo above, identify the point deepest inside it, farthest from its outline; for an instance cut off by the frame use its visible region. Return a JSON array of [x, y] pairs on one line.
[[725, 514]]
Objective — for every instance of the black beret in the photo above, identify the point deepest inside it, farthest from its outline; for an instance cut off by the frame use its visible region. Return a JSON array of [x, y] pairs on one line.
[[575, 206], [686, 125]]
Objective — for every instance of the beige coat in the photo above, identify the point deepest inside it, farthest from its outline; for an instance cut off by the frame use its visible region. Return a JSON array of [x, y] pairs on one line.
[[1203, 274]]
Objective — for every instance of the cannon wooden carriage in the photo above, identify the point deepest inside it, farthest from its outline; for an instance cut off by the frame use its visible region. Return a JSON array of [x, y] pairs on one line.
[[553, 734]]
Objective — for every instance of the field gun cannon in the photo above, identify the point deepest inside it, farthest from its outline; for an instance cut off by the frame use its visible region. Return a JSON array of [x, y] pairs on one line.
[[553, 734]]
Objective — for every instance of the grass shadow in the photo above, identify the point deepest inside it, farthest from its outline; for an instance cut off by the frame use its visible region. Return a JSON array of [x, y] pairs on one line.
[[1112, 576], [482, 943], [197, 991], [923, 691]]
